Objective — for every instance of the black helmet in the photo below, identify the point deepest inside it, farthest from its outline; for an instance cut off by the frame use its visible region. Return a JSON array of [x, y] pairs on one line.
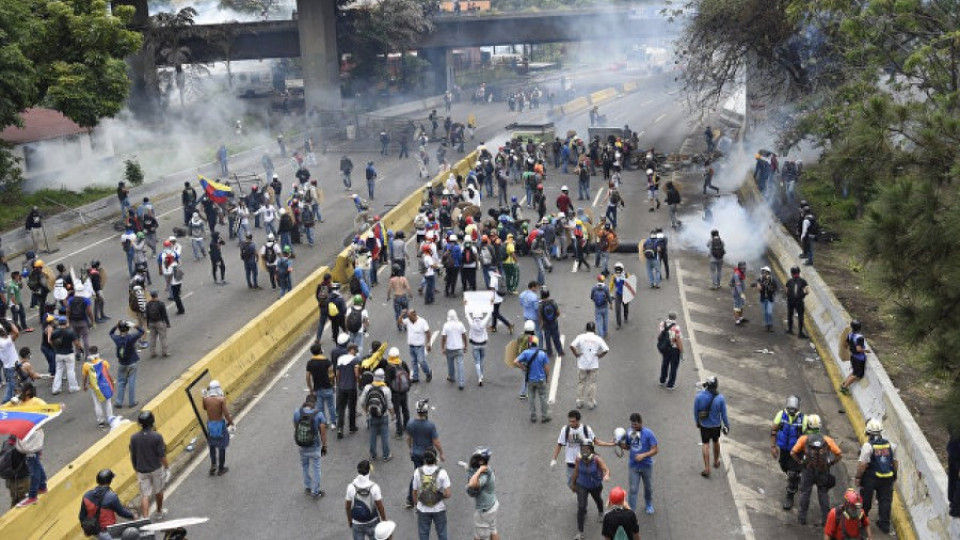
[[423, 406], [145, 419], [95, 263], [481, 453], [104, 477], [804, 202], [396, 269], [742, 265], [794, 270], [855, 325]]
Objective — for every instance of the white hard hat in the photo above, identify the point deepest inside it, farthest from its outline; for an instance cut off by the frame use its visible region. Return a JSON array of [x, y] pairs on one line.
[[393, 352], [649, 171], [384, 529], [270, 237], [529, 326], [874, 426], [813, 421], [618, 434], [564, 188]]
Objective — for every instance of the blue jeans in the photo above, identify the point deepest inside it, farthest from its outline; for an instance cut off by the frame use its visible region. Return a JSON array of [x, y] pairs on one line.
[[551, 333], [310, 461], [604, 262], [418, 353], [488, 183], [767, 312], [529, 196], [379, 427], [285, 240], [455, 360], [269, 227], [250, 271], [364, 531], [126, 379], [653, 272], [357, 338], [479, 353], [10, 376], [542, 265], [400, 303], [308, 231], [611, 215], [601, 317], [38, 476], [285, 284], [428, 289], [636, 474], [198, 249], [325, 400], [130, 262], [370, 186], [424, 519], [316, 211], [583, 188]]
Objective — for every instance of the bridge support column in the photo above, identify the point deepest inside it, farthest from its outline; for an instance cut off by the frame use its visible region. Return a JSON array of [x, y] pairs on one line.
[[441, 62], [317, 22]]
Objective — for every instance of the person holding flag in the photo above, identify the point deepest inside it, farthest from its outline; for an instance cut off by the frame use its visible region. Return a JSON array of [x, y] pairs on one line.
[[23, 418], [97, 379], [217, 193]]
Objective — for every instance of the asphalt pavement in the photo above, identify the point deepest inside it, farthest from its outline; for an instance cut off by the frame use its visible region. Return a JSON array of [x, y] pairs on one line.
[[263, 496]]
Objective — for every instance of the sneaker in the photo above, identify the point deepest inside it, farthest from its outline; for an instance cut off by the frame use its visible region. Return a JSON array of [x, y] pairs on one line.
[[429, 377], [649, 508], [28, 501], [522, 396], [354, 429], [317, 494], [387, 458], [158, 516], [545, 420], [306, 491], [213, 472], [579, 404], [408, 505], [223, 470], [42, 491], [118, 405]]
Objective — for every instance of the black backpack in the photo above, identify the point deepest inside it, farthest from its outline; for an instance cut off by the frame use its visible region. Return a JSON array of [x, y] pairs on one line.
[[354, 320], [717, 251], [78, 309], [270, 255], [376, 402], [304, 434], [664, 343], [361, 511], [307, 218], [814, 228], [247, 251], [649, 249], [615, 198], [13, 464]]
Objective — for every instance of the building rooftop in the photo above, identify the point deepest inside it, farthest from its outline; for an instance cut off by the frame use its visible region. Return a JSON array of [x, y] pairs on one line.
[[41, 124]]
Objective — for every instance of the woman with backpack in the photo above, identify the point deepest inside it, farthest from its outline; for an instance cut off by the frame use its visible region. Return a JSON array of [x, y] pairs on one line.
[[589, 473]]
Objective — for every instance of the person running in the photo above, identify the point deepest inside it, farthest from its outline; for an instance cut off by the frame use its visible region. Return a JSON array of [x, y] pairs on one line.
[[219, 421], [481, 485], [589, 473], [857, 345], [710, 415], [364, 504]]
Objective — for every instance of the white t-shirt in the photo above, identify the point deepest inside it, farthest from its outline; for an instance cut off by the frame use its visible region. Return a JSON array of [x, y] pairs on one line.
[[454, 331], [494, 283], [364, 482], [416, 331], [443, 483], [478, 329], [8, 353], [590, 346], [429, 261], [571, 438]]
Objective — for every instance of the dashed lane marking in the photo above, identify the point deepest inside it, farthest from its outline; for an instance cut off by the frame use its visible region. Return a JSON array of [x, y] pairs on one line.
[[731, 475], [597, 198], [659, 118]]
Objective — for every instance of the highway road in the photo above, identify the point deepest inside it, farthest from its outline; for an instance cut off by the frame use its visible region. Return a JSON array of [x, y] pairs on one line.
[[262, 496], [213, 312]]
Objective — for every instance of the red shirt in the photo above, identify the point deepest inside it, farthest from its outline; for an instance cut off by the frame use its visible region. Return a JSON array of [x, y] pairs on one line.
[[563, 202], [853, 526]]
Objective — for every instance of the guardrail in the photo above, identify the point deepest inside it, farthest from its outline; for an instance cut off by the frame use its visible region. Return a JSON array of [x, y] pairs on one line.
[[920, 506], [237, 363]]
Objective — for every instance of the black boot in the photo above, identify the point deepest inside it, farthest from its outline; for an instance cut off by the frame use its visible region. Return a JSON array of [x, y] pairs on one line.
[[788, 501]]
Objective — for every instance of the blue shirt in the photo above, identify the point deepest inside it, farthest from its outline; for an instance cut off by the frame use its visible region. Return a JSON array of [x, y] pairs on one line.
[[530, 301], [126, 345], [639, 445], [422, 434], [536, 361], [317, 420], [718, 410]]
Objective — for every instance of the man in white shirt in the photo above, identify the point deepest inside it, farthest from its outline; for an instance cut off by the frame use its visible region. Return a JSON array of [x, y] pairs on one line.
[[431, 485], [453, 339], [364, 503], [418, 339], [589, 348], [571, 435]]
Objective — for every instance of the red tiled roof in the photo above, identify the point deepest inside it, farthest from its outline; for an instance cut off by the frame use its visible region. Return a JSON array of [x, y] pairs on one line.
[[41, 124]]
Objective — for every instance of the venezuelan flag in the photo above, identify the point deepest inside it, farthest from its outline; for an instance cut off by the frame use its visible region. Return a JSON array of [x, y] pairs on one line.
[[22, 420], [217, 192]]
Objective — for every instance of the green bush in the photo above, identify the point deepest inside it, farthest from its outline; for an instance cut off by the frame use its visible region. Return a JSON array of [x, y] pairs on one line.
[[133, 173]]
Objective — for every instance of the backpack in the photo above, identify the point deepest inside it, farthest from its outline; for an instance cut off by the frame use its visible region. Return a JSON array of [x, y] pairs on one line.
[[549, 311], [12, 462], [247, 251], [304, 434], [615, 198], [354, 320], [717, 251], [673, 196], [308, 196], [600, 296], [91, 523], [814, 228], [401, 381], [486, 256], [153, 311], [429, 492], [33, 280], [501, 289], [78, 309], [421, 266], [664, 343], [126, 244], [362, 508], [649, 249], [816, 458], [307, 218], [604, 241], [178, 273], [447, 259], [468, 256], [270, 254], [376, 402]]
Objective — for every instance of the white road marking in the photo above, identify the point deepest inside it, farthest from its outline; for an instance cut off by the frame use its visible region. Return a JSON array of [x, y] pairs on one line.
[[755, 392], [750, 454], [433, 337], [747, 419], [709, 310], [597, 198], [754, 361], [709, 329], [555, 374], [731, 475], [201, 456], [659, 118]]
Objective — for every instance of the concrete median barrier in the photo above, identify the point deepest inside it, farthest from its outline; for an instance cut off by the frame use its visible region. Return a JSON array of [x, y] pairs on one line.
[[920, 508], [577, 105], [603, 96]]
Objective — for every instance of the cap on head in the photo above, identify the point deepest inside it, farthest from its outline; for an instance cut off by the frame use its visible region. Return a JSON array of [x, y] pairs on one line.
[[711, 383]]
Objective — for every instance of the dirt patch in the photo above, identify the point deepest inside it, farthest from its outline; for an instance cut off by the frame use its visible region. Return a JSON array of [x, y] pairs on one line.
[[866, 300]]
